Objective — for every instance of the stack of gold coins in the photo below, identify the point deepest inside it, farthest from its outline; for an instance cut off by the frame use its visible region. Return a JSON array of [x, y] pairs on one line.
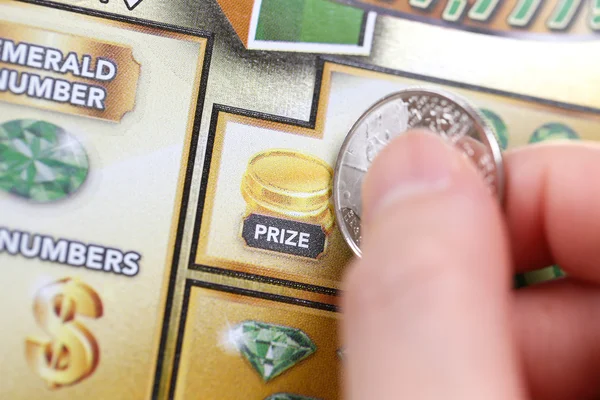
[[290, 185]]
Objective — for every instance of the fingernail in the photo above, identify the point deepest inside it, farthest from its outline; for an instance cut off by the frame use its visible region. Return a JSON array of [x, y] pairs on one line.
[[413, 164]]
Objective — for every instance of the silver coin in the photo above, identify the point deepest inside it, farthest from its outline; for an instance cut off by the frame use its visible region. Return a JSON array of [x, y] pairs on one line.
[[446, 114]]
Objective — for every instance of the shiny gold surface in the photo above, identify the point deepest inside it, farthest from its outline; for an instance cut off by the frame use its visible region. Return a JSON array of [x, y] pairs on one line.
[[71, 354], [283, 84], [289, 184], [218, 242], [290, 178], [212, 368], [324, 217], [327, 270], [146, 150]]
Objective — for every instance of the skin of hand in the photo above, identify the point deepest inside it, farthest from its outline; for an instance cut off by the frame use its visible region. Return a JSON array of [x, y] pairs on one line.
[[430, 312]]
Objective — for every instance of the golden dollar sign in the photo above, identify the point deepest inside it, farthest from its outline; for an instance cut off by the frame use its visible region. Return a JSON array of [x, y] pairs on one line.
[[72, 354]]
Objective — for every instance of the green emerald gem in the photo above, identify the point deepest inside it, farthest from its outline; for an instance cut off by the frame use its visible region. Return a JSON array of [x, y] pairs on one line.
[[40, 161], [498, 126], [288, 396], [271, 349], [553, 131]]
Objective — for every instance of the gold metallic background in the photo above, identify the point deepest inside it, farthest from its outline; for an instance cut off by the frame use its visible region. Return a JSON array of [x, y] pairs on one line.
[[282, 84], [212, 368], [130, 201], [238, 138]]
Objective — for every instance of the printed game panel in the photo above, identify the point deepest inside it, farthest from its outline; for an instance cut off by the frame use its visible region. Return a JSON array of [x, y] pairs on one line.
[[96, 120], [238, 342], [267, 205], [534, 18], [316, 26]]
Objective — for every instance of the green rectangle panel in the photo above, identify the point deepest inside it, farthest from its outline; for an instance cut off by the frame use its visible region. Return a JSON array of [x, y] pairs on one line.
[[309, 21]]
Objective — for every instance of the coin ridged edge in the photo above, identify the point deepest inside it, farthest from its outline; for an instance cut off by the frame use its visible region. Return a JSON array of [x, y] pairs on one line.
[[488, 135]]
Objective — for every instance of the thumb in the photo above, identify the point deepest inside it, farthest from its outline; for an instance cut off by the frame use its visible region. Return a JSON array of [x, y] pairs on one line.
[[426, 308]]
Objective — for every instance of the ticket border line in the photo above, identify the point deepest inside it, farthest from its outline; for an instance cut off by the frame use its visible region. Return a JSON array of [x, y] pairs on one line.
[[184, 207], [187, 165], [218, 110], [191, 283], [461, 85]]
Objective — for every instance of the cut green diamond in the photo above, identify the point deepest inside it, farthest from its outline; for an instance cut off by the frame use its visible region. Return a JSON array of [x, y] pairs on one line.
[[271, 349], [289, 396], [498, 126], [40, 161], [553, 131]]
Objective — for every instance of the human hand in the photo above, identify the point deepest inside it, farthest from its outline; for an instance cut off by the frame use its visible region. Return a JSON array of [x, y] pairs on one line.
[[430, 311]]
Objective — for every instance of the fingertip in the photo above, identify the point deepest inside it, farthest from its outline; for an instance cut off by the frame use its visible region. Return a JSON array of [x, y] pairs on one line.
[[432, 279], [415, 162]]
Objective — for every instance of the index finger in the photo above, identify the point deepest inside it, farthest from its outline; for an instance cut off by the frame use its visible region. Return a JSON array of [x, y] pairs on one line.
[[552, 208]]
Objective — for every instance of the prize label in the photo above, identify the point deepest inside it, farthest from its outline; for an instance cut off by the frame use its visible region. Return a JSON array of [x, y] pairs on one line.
[[283, 236]]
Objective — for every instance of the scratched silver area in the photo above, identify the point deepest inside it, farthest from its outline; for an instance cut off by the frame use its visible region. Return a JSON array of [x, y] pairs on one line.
[[443, 113]]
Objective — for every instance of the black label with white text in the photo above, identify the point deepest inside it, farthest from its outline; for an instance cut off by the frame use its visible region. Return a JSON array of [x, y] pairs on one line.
[[283, 236]]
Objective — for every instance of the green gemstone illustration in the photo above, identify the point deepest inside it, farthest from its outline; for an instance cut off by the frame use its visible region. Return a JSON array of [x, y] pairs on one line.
[[271, 349], [288, 396], [498, 126], [40, 161], [553, 131]]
